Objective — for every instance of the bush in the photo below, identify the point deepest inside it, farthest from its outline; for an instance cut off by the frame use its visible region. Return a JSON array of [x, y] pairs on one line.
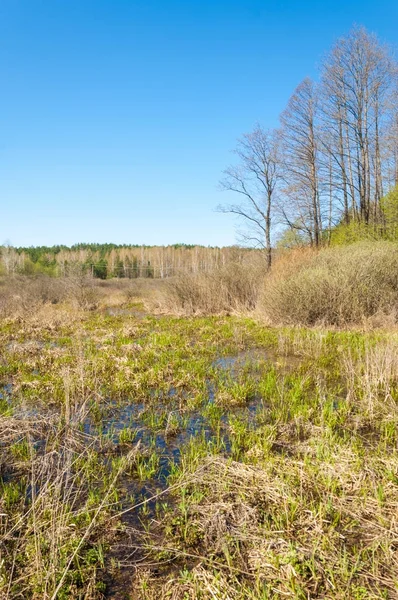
[[355, 232], [22, 295], [233, 288], [81, 291], [335, 286], [389, 206]]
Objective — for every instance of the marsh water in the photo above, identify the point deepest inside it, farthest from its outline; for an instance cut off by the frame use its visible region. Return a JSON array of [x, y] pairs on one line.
[[210, 423], [163, 425], [198, 424]]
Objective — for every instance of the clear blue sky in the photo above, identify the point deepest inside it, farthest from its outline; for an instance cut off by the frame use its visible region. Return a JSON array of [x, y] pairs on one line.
[[118, 116]]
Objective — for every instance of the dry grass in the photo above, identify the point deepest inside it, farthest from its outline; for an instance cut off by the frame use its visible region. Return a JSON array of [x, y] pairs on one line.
[[23, 295], [44, 298], [54, 505], [315, 520], [307, 507], [286, 530], [232, 289]]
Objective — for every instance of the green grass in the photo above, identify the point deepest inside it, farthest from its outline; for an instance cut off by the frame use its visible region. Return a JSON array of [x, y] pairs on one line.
[[281, 471]]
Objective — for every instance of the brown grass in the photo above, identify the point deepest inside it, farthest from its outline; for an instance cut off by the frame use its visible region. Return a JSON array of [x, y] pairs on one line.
[[231, 289], [287, 529]]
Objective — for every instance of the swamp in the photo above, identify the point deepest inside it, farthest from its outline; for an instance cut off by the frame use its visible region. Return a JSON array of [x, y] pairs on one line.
[[199, 399], [148, 456]]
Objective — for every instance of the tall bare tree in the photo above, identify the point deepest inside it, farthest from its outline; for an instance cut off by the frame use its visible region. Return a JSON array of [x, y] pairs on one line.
[[337, 151], [302, 205], [255, 179], [357, 84]]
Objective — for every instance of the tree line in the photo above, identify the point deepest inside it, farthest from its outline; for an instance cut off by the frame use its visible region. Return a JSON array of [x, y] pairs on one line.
[[332, 159], [111, 260]]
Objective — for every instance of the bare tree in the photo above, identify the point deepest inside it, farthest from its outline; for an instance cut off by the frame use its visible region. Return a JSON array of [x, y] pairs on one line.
[[337, 149], [357, 85], [302, 203], [255, 179], [390, 146], [10, 258]]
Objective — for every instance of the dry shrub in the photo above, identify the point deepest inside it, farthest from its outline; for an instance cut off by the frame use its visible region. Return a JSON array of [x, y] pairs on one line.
[[144, 289], [81, 291], [25, 295], [336, 286], [233, 288]]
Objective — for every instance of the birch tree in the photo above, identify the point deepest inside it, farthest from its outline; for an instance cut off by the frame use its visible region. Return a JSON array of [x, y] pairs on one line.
[[255, 180], [357, 85], [302, 204]]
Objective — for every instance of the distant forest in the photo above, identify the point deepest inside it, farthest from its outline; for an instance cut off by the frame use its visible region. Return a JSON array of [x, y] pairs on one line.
[[124, 261]]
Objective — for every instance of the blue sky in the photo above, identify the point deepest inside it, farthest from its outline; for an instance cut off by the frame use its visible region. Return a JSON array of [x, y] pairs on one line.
[[118, 116]]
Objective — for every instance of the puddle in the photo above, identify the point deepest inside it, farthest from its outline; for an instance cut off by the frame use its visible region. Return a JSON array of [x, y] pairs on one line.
[[31, 346], [194, 425], [236, 361], [150, 424], [210, 423], [255, 357], [168, 440], [6, 391]]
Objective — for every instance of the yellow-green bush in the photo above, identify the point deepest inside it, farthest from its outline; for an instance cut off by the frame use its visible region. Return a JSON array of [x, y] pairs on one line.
[[354, 232], [335, 286]]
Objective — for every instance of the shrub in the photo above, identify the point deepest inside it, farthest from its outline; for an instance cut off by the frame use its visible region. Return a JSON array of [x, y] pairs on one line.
[[335, 286], [21, 294], [355, 232], [233, 288], [81, 291], [389, 206]]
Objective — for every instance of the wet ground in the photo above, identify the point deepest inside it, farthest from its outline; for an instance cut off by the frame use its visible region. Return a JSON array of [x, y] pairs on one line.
[[161, 426]]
